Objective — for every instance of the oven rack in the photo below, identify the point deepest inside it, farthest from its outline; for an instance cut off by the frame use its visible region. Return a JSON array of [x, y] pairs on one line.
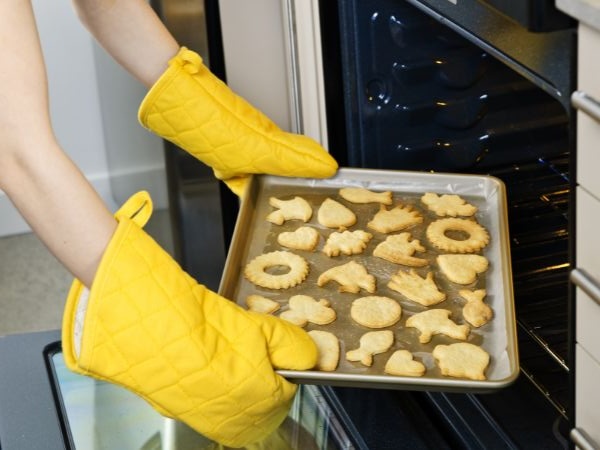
[[538, 199]]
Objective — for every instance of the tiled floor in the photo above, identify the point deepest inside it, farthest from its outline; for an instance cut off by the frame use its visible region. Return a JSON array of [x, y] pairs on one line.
[[34, 285]]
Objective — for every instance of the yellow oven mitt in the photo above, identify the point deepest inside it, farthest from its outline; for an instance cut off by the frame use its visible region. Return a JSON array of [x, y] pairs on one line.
[[192, 108], [148, 326]]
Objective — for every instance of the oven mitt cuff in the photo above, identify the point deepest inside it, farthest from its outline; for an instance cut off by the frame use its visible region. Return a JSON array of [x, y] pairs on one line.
[[192, 354], [195, 110]]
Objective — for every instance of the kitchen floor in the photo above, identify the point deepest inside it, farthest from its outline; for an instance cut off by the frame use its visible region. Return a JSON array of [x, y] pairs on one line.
[[34, 285]]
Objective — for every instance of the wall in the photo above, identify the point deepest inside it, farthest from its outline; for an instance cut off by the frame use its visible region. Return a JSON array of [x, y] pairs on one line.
[[93, 105], [256, 60]]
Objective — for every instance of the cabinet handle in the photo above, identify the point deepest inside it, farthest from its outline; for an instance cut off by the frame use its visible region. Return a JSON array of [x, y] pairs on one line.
[[587, 284], [587, 104], [581, 439]]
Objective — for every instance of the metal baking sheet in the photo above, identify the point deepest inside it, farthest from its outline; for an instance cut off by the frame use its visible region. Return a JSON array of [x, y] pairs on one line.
[[253, 236]]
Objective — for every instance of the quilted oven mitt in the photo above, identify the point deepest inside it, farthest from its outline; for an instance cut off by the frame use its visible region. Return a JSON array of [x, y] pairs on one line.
[[147, 325], [192, 108]]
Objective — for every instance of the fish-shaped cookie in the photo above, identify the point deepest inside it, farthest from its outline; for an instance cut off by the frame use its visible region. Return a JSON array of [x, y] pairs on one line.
[[371, 343]]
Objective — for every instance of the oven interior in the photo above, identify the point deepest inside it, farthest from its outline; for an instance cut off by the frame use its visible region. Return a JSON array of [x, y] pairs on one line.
[[419, 95]]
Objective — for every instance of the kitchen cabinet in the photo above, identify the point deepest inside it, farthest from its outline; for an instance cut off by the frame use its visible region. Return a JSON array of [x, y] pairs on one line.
[[586, 274]]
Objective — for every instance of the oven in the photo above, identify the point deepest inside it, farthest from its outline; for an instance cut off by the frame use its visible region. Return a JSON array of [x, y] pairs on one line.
[[459, 87], [476, 87]]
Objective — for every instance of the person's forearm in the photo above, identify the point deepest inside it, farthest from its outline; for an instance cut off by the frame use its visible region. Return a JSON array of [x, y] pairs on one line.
[[132, 33], [62, 209], [38, 177]]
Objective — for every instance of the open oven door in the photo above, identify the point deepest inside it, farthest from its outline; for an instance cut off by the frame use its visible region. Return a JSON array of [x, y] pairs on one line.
[[45, 405]]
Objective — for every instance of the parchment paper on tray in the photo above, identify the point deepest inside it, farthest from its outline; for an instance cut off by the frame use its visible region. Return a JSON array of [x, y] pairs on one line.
[[254, 236]]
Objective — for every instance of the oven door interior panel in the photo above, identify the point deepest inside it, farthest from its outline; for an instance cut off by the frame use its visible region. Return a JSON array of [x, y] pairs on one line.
[[418, 95]]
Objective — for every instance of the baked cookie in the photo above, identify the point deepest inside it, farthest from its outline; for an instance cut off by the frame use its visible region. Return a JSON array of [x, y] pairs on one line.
[[462, 360], [303, 238], [362, 195], [351, 276], [346, 242], [256, 270], [448, 205], [328, 348], [260, 304], [294, 209], [420, 290], [401, 363], [371, 343], [436, 321], [395, 219], [375, 311], [304, 309], [475, 311], [462, 269], [399, 249], [477, 237], [333, 214]]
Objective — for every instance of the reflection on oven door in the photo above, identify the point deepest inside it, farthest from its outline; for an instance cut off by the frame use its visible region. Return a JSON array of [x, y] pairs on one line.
[[103, 416]]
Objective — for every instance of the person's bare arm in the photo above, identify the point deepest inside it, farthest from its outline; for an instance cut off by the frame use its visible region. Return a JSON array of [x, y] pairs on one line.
[[46, 187], [131, 33]]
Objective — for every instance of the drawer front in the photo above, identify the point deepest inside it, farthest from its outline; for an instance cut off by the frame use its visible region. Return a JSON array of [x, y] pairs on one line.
[[587, 395], [588, 242], [588, 152], [588, 319], [588, 61]]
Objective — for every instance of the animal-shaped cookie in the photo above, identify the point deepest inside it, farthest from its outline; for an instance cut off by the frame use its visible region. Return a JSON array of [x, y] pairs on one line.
[[398, 248], [401, 363], [371, 343], [462, 269], [463, 360], [304, 309], [303, 238], [437, 321], [362, 195], [346, 242], [375, 311], [328, 349], [421, 290], [475, 311], [448, 204], [333, 214], [395, 219], [351, 276], [260, 304], [296, 208]]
